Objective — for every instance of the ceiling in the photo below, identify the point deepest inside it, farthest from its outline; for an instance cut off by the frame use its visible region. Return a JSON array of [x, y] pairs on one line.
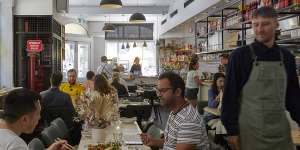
[[125, 2], [89, 10]]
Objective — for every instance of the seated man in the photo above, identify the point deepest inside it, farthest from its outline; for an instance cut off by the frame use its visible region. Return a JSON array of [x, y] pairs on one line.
[[122, 91], [58, 104], [71, 87], [21, 115], [185, 129]]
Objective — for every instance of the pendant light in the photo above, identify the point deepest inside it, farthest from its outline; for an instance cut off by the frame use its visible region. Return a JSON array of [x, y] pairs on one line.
[[111, 4], [137, 17], [134, 44], [127, 45], [108, 27], [123, 46], [144, 44]]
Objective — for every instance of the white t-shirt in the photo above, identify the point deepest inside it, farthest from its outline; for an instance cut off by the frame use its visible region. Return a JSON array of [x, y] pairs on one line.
[[190, 81], [11, 141]]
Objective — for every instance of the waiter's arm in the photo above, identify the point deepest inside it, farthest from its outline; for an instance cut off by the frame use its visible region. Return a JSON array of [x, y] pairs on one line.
[[230, 102], [293, 91]]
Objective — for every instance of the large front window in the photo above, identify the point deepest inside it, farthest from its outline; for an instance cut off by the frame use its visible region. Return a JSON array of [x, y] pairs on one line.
[[126, 56]]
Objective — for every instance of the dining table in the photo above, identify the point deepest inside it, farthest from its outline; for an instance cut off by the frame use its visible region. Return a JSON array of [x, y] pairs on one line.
[[130, 137]]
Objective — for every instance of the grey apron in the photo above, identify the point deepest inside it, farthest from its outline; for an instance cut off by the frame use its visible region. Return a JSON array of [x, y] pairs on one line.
[[262, 121]]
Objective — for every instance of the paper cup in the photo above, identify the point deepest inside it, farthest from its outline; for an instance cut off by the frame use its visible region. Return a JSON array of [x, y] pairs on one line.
[[98, 135]]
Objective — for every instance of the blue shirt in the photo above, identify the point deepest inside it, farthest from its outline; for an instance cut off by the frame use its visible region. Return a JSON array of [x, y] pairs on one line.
[[212, 102], [238, 72]]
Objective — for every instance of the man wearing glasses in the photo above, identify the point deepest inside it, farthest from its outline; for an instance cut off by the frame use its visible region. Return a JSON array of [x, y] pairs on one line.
[[185, 129], [71, 87]]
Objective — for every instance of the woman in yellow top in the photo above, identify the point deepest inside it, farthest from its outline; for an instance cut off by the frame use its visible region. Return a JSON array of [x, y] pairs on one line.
[[71, 87]]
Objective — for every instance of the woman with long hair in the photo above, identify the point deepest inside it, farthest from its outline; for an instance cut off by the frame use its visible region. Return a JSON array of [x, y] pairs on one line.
[[136, 68], [215, 93], [105, 99], [193, 82]]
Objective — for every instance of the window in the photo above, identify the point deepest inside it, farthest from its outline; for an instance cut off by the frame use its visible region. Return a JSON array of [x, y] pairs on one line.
[[126, 56]]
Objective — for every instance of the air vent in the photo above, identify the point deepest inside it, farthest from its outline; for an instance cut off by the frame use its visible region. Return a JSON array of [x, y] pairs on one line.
[[173, 13], [164, 21], [187, 3]]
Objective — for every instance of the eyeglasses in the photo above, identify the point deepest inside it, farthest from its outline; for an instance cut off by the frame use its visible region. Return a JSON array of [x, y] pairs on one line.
[[162, 90]]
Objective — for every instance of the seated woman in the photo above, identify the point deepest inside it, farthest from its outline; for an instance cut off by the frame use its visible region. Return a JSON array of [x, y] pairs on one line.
[[122, 91], [215, 94], [89, 83], [105, 99]]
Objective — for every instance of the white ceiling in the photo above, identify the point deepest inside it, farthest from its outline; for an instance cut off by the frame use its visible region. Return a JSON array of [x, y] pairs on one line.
[[125, 2], [89, 10]]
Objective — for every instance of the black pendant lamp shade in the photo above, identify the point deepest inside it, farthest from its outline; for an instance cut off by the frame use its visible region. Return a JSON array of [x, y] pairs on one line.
[[123, 46], [137, 17], [111, 4], [127, 45], [108, 28], [145, 44], [134, 44]]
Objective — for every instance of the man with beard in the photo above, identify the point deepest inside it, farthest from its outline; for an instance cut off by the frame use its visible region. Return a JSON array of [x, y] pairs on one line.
[[71, 87], [185, 129], [261, 83]]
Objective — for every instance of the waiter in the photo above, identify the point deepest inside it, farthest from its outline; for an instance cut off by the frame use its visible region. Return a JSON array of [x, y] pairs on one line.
[[261, 84]]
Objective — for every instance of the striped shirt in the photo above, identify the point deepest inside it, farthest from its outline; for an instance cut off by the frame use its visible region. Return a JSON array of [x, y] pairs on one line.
[[185, 127]]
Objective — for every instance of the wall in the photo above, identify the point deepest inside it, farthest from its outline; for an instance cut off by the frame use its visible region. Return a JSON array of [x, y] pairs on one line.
[[34, 7], [185, 13], [6, 43]]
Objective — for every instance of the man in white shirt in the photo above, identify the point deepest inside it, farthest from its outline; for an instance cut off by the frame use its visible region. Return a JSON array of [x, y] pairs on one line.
[[21, 115], [185, 129], [105, 68]]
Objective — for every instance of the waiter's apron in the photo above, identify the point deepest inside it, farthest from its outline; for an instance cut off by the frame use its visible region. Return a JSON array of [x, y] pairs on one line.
[[262, 121]]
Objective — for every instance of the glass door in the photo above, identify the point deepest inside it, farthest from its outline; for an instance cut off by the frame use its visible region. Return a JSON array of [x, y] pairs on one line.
[[77, 56], [83, 59], [68, 63]]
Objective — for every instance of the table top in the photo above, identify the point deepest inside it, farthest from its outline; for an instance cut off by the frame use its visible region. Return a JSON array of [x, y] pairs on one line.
[[131, 137], [214, 111]]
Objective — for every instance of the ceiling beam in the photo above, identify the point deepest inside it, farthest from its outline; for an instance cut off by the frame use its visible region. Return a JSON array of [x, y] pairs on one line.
[[123, 10]]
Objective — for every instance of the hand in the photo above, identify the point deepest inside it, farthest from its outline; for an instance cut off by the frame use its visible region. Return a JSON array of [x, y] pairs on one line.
[[59, 145], [234, 142], [147, 139]]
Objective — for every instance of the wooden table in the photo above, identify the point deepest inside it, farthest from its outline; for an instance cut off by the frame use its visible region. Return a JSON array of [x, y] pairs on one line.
[[214, 111], [131, 137]]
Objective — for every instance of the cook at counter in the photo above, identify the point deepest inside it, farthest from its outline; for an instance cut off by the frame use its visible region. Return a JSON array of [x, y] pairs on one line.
[[261, 82]]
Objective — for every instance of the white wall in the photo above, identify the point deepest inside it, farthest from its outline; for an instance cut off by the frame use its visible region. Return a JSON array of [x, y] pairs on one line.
[[34, 7], [6, 43], [98, 46], [184, 13]]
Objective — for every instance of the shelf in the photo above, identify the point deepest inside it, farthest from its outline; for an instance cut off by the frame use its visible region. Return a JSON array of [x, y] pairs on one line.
[[295, 40], [220, 51]]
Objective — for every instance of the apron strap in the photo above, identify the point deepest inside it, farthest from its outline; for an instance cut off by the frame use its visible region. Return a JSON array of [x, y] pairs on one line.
[[253, 55]]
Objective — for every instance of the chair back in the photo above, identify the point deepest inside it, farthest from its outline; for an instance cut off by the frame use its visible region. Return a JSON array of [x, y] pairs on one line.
[[36, 144], [60, 124], [49, 135]]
